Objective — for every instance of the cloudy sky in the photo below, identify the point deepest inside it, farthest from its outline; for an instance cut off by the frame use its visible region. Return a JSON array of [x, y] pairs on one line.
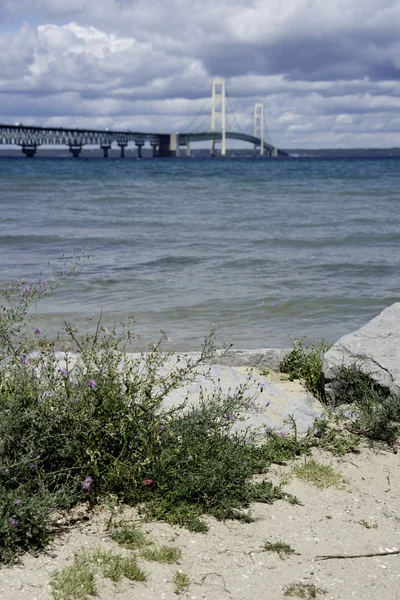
[[327, 71]]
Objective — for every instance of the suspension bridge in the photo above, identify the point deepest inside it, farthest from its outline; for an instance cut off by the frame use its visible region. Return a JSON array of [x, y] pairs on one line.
[[30, 137]]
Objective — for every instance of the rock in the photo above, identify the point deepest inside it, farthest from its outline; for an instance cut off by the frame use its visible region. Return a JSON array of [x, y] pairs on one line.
[[273, 402], [375, 348], [263, 358]]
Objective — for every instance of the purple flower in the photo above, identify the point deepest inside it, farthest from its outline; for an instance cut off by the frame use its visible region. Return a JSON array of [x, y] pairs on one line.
[[63, 372], [35, 371], [92, 384], [190, 457], [262, 387], [229, 417], [6, 470], [23, 359], [87, 484], [161, 428], [13, 522], [37, 331], [44, 283], [282, 434], [26, 289], [36, 454], [17, 502], [33, 466]]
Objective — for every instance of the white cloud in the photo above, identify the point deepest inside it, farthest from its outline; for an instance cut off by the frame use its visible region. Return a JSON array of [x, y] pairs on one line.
[[328, 71]]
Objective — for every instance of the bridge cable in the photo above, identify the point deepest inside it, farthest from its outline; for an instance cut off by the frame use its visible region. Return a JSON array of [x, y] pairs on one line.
[[233, 113], [199, 113]]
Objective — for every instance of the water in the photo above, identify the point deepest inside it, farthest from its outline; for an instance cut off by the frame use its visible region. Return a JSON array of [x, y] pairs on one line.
[[259, 248]]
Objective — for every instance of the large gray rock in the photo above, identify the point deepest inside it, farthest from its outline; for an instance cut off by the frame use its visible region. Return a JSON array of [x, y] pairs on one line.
[[375, 348]]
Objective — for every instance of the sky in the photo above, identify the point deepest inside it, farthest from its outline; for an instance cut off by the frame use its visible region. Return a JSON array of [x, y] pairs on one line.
[[327, 71]]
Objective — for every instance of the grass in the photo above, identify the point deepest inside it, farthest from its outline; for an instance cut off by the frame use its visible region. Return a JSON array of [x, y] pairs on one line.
[[115, 566], [280, 548], [305, 364], [128, 536], [377, 412], [322, 476], [367, 524], [77, 582], [162, 554], [181, 582], [306, 591]]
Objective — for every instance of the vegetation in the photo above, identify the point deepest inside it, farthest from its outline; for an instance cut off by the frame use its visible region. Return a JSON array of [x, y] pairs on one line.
[[181, 581], [163, 554], [83, 420], [322, 476], [376, 411], [307, 591], [94, 425], [77, 582], [305, 364], [280, 547]]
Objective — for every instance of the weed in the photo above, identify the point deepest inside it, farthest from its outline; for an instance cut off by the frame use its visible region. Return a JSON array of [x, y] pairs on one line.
[[181, 582], [322, 476], [75, 582], [329, 433], [306, 364], [163, 554], [377, 412], [368, 525], [306, 591], [128, 536], [116, 566], [280, 547]]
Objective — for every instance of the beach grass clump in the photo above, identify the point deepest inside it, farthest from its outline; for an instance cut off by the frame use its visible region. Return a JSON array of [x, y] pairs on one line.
[[88, 422], [305, 363], [76, 581], [162, 554], [376, 410], [318, 474], [305, 591], [181, 582], [281, 548], [128, 536]]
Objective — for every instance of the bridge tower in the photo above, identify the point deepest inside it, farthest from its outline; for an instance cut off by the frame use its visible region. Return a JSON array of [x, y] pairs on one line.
[[218, 111], [259, 125]]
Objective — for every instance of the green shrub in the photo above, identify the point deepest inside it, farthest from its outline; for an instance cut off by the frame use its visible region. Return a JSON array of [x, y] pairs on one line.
[[95, 425], [376, 411], [306, 364]]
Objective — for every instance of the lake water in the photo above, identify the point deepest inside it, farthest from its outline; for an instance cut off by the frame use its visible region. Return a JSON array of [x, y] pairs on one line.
[[259, 248]]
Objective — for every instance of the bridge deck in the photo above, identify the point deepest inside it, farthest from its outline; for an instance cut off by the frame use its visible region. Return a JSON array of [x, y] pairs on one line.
[[28, 136]]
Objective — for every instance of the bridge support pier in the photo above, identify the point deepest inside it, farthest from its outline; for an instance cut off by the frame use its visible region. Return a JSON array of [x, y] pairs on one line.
[[139, 150], [156, 150], [187, 148], [75, 149], [29, 150], [122, 145], [105, 148], [212, 151], [174, 144], [274, 152]]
